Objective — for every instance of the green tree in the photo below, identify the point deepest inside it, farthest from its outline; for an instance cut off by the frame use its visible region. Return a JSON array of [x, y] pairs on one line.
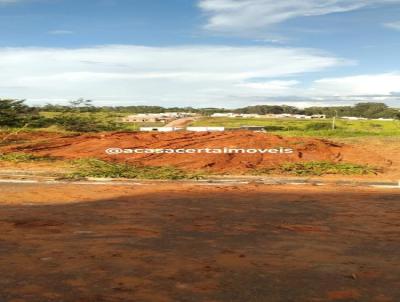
[[14, 113], [80, 116]]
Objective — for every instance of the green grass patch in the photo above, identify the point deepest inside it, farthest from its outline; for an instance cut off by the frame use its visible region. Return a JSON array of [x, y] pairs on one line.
[[318, 126], [319, 168], [24, 158], [313, 128], [101, 169]]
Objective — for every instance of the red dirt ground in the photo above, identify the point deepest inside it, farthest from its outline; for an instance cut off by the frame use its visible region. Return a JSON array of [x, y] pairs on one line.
[[94, 145], [192, 243]]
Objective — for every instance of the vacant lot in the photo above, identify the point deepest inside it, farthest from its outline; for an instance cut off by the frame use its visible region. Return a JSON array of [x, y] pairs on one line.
[[310, 156], [319, 128], [198, 243]]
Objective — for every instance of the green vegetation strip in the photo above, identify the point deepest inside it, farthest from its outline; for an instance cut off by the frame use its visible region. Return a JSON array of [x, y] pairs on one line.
[[313, 128], [24, 158], [319, 168], [101, 169], [84, 168]]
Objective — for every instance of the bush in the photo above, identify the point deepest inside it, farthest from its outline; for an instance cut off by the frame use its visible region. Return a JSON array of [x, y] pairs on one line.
[[376, 126], [41, 122], [23, 157], [275, 128], [75, 122], [319, 168], [102, 169], [14, 113], [324, 168], [319, 126]]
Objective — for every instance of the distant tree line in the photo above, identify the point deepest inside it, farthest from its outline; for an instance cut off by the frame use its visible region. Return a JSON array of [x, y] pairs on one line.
[[85, 106], [366, 110]]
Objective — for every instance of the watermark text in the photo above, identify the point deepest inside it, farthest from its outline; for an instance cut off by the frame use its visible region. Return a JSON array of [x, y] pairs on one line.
[[225, 150]]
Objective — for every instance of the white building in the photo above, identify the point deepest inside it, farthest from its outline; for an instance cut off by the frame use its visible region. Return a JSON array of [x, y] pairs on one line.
[[284, 115], [302, 116], [176, 115], [250, 115], [228, 114], [353, 118], [206, 129], [318, 116], [160, 129], [385, 119], [155, 117]]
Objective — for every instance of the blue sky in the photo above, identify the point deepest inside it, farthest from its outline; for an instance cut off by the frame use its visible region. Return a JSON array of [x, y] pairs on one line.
[[201, 52]]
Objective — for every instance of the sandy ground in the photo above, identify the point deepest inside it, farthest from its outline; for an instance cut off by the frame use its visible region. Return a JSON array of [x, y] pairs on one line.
[[162, 243]]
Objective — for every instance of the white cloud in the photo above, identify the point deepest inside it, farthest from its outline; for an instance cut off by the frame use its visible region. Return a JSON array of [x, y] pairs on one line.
[[329, 91], [393, 25], [385, 84], [185, 76], [275, 86], [190, 75], [249, 15]]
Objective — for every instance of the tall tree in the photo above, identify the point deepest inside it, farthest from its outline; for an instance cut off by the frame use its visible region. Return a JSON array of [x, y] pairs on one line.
[[14, 113]]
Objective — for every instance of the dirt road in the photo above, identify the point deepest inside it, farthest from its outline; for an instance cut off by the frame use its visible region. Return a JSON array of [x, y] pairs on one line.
[[183, 122], [161, 243]]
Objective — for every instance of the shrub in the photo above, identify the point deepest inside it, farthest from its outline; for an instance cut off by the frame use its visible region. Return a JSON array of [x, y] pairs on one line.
[[41, 122], [275, 128], [101, 169], [23, 157], [319, 168], [324, 168], [14, 113], [78, 123], [318, 126]]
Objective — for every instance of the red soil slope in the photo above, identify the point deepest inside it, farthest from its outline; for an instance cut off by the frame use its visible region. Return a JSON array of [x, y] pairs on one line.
[[94, 146]]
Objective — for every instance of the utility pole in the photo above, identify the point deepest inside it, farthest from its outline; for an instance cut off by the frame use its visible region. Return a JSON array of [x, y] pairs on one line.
[[334, 120]]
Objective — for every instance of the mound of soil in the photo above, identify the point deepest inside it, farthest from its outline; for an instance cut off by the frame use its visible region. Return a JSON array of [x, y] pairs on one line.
[[94, 146]]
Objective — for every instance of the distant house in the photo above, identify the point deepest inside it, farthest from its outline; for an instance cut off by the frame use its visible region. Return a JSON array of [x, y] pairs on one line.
[[385, 119], [155, 117], [228, 114], [160, 129], [205, 129], [283, 115], [353, 118], [249, 115], [270, 115], [302, 116], [253, 128], [140, 118], [318, 116], [237, 115]]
